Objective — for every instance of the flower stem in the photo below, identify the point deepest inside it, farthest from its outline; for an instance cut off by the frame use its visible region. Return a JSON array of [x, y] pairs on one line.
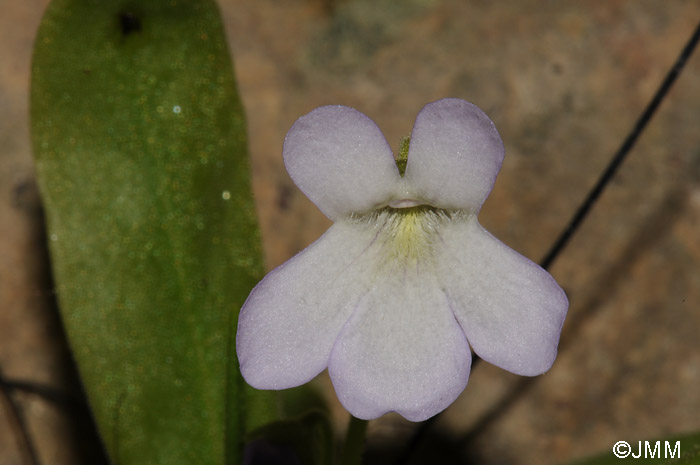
[[354, 442]]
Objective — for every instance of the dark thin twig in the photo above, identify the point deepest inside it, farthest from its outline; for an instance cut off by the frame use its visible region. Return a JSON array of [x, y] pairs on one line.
[[622, 152], [17, 423], [566, 235], [47, 393]]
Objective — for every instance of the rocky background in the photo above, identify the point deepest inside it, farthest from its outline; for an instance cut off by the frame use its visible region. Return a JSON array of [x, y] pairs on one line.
[[563, 81]]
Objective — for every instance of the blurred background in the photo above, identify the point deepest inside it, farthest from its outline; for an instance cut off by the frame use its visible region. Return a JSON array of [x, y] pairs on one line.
[[564, 81]]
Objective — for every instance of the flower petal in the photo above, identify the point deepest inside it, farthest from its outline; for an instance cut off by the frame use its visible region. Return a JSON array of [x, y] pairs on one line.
[[454, 155], [340, 159], [401, 351], [511, 310], [288, 324]]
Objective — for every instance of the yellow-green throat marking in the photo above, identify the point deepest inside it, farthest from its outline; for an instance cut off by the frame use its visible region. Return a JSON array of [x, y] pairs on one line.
[[406, 236]]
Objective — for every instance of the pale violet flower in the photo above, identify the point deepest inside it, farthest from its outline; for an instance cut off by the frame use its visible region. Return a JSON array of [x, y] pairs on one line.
[[406, 280]]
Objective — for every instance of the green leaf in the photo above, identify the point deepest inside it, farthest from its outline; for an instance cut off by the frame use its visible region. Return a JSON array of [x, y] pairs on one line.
[[654, 452], [139, 139]]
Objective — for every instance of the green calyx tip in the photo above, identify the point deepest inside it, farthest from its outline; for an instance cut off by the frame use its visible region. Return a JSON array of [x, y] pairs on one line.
[[403, 154]]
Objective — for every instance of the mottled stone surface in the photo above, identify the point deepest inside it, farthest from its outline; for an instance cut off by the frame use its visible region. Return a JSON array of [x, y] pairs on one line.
[[564, 83]]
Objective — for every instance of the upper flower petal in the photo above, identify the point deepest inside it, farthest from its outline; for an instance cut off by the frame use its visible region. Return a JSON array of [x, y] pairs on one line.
[[454, 155], [401, 351], [291, 319], [511, 310], [340, 159]]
